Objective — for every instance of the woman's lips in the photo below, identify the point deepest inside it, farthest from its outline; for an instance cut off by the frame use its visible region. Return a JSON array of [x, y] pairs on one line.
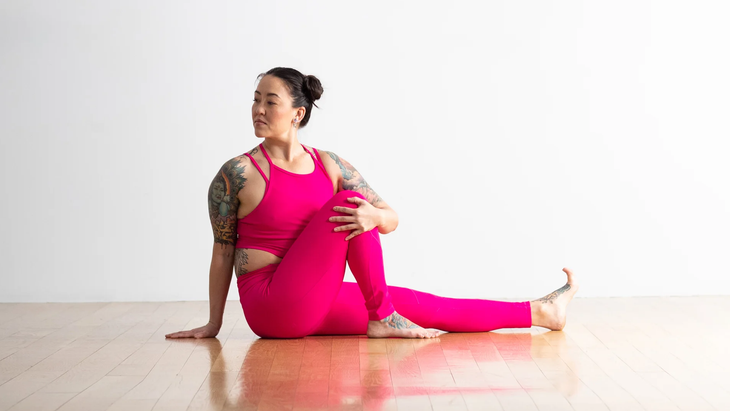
[[259, 122]]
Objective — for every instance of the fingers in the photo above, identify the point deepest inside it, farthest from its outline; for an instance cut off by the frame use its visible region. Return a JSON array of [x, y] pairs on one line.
[[344, 209], [346, 227], [180, 334], [205, 331], [353, 234], [188, 334], [341, 218], [348, 219]]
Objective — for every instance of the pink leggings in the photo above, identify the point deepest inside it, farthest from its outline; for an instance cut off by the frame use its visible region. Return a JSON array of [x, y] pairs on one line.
[[305, 294]]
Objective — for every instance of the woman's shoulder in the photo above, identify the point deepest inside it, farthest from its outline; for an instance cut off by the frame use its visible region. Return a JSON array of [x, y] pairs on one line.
[[239, 163], [329, 161]]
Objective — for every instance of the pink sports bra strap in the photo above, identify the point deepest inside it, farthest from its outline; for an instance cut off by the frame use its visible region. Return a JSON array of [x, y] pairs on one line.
[[310, 153], [265, 153], [316, 159], [317, 154], [259, 168], [321, 164]]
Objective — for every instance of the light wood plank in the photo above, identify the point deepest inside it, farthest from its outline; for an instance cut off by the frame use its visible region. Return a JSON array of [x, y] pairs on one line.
[[102, 394], [663, 353]]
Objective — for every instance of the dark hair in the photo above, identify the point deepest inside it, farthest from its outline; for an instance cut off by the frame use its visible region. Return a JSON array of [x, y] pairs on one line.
[[305, 90]]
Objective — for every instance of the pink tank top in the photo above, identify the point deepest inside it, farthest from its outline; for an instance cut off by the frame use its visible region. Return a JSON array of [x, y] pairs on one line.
[[290, 201]]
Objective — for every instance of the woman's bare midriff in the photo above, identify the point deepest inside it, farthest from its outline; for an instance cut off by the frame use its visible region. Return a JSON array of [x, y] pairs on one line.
[[255, 260], [249, 197]]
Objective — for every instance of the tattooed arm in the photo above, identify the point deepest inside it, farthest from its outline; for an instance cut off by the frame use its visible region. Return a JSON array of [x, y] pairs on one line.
[[350, 179], [223, 209]]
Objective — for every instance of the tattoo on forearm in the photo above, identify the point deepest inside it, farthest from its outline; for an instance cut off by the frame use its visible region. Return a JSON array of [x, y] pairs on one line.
[[241, 262], [353, 180], [223, 201], [550, 298], [399, 322]]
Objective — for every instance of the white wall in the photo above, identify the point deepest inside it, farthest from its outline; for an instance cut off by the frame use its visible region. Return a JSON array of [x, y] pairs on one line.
[[513, 138]]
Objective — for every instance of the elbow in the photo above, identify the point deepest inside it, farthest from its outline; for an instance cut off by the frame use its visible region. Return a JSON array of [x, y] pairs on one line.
[[224, 251]]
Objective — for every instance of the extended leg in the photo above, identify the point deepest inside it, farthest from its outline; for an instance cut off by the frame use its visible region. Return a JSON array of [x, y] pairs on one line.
[[428, 310], [452, 314]]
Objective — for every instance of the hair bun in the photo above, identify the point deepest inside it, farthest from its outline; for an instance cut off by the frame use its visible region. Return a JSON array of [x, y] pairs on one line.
[[312, 88]]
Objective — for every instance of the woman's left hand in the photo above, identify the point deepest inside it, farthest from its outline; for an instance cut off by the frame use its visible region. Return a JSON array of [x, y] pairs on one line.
[[363, 218]]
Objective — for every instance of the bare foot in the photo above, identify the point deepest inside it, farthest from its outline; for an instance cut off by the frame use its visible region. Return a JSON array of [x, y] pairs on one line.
[[550, 310], [396, 325]]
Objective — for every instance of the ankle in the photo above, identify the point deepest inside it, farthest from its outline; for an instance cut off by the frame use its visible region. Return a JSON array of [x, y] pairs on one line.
[[537, 310]]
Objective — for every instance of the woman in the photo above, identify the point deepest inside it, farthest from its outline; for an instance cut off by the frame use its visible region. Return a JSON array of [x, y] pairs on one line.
[[289, 217]]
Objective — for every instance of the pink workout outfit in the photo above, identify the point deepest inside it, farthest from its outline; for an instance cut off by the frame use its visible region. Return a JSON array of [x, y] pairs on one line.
[[305, 294]]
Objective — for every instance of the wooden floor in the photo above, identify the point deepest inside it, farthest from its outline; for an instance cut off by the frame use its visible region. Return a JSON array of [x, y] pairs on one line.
[[615, 354]]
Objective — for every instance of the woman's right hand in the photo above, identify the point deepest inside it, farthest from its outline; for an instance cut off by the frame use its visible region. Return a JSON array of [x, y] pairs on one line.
[[207, 331]]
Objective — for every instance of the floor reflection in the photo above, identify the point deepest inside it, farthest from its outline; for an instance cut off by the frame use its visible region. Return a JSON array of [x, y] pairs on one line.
[[355, 372]]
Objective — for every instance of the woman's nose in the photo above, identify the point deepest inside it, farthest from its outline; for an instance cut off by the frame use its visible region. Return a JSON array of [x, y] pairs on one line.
[[258, 108]]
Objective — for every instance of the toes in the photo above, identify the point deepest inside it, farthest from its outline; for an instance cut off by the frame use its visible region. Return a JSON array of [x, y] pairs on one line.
[[423, 333], [430, 334], [570, 273]]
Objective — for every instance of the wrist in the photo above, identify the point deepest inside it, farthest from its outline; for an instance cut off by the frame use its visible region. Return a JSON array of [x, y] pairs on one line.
[[379, 217], [387, 220]]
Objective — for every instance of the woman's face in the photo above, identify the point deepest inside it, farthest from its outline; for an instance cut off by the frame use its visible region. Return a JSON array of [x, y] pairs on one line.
[[219, 191], [273, 105]]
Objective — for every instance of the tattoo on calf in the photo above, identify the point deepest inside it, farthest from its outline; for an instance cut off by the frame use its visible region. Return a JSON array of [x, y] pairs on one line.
[[353, 180], [550, 298], [223, 201], [241, 261]]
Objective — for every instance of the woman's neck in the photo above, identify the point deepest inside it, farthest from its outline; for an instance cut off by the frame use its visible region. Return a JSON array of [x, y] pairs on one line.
[[283, 150]]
